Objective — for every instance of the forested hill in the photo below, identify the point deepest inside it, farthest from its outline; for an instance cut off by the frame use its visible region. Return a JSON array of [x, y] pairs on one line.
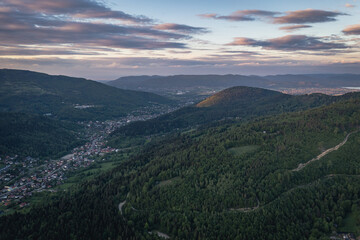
[[68, 97], [238, 102], [181, 82], [36, 136], [232, 97], [236, 181]]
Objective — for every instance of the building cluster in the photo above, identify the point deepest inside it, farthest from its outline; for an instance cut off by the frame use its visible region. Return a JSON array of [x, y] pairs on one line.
[[21, 177], [327, 91]]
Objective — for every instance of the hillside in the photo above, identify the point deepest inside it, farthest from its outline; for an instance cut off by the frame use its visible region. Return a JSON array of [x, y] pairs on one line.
[[234, 96], [36, 136], [241, 103], [231, 181], [68, 98], [159, 84]]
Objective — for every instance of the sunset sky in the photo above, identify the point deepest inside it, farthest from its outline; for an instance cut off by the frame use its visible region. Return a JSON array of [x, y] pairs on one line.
[[104, 40]]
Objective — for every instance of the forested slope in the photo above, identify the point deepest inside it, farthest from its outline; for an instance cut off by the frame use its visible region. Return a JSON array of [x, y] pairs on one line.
[[67, 97], [229, 182], [36, 136]]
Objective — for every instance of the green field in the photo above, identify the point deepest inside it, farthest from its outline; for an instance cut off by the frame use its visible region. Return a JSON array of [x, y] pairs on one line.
[[87, 174], [168, 182], [350, 224], [238, 151]]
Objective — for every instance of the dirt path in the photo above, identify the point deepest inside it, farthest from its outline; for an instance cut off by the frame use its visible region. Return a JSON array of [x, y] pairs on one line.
[[121, 205], [162, 235], [302, 165], [248, 209]]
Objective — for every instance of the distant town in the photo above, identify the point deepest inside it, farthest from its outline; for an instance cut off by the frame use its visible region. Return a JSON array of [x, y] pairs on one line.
[[327, 91], [21, 177]]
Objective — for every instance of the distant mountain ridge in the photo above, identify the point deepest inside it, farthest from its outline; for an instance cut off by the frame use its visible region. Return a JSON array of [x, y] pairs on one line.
[[67, 97], [186, 82]]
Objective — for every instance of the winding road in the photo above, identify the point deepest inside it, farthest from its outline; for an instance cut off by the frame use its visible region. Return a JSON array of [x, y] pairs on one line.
[[299, 168]]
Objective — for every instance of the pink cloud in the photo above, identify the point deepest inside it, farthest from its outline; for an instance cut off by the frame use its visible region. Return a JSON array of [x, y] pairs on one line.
[[294, 27], [352, 30], [307, 16]]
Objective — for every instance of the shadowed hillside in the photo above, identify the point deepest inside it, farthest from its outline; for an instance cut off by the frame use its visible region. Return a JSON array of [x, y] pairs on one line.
[[67, 97], [36, 136]]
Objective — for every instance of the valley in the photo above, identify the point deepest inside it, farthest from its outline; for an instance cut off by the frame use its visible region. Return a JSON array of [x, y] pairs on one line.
[[21, 177]]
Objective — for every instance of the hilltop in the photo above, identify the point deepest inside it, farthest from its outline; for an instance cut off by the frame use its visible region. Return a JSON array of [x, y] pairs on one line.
[[67, 97], [238, 95]]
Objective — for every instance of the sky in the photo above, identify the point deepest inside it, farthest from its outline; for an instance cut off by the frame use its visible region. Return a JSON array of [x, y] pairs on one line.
[[107, 39]]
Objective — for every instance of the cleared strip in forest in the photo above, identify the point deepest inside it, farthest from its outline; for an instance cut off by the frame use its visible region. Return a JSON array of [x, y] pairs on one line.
[[323, 154], [248, 209]]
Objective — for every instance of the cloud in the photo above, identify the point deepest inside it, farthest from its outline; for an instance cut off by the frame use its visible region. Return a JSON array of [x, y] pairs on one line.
[[243, 53], [243, 41], [13, 51], [74, 8], [289, 43], [180, 28], [241, 15], [352, 30], [29, 27], [293, 17], [307, 16], [348, 5], [294, 27]]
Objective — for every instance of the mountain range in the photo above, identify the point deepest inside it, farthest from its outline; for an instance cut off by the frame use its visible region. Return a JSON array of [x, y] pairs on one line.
[[161, 84]]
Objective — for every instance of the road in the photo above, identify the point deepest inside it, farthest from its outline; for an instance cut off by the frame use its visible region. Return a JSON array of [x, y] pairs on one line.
[[323, 154]]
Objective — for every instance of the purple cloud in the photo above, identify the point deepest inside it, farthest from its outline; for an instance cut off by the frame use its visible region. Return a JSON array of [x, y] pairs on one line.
[[307, 16], [180, 28], [292, 17], [73, 8], [241, 15], [289, 43], [30, 27]]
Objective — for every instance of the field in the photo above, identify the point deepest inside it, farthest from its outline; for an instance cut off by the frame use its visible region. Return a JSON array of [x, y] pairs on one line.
[[350, 224], [238, 151]]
